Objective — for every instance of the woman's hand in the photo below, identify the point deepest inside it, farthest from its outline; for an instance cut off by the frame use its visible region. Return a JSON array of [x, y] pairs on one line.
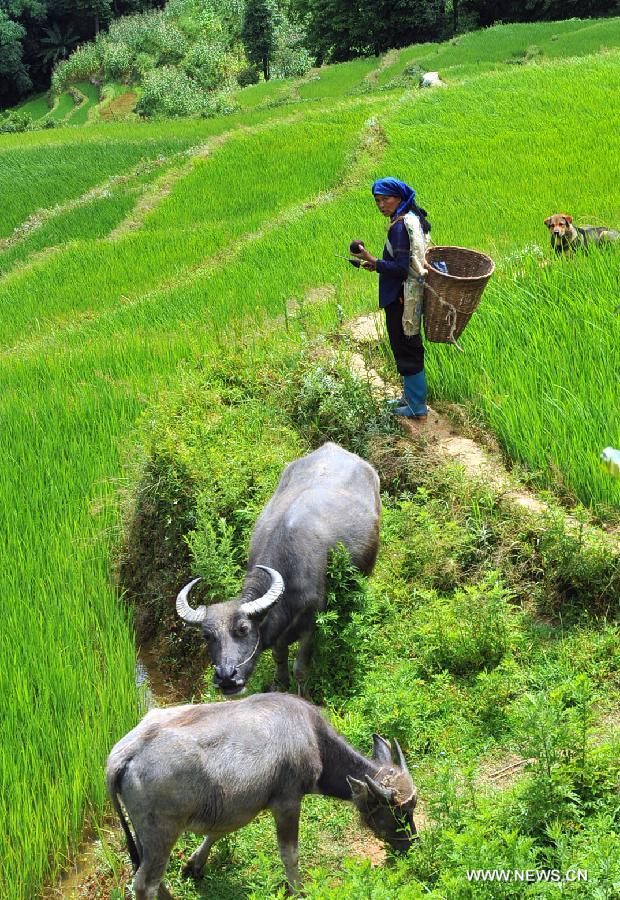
[[370, 261]]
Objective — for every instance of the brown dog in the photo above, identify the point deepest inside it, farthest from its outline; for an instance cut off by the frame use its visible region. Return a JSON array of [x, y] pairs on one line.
[[566, 238]]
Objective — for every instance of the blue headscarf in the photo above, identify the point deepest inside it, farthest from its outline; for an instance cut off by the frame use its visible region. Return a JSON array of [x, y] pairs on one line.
[[392, 187]]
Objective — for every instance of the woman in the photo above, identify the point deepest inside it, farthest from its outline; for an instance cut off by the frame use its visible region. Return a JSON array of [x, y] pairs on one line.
[[401, 272]]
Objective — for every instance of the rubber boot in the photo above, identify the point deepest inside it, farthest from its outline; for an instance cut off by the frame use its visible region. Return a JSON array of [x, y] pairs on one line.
[[402, 401], [415, 392]]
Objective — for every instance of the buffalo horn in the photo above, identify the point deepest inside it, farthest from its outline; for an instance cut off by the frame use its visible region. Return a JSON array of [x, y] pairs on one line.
[[400, 756], [193, 616], [386, 795], [261, 604]]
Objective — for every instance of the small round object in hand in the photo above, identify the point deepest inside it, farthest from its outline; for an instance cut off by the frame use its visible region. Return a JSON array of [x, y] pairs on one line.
[[356, 247]]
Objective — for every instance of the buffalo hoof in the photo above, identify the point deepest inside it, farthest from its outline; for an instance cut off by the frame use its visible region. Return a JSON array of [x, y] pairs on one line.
[[191, 870]]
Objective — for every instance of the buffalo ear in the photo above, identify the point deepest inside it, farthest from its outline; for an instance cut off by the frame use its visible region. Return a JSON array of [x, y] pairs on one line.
[[359, 789], [569, 219], [381, 750], [548, 222]]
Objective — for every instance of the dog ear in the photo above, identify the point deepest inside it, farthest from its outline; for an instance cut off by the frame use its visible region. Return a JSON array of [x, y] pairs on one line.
[[569, 219], [548, 222]]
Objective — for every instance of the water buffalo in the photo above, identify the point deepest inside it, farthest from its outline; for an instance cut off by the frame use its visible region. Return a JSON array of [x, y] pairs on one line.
[[330, 496], [211, 768]]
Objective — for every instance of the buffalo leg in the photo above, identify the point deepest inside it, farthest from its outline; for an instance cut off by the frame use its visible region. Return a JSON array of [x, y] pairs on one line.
[[280, 657], [148, 883], [301, 668], [287, 830], [195, 863]]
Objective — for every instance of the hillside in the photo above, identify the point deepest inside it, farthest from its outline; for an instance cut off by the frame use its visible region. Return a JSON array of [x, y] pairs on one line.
[[151, 278], [87, 88]]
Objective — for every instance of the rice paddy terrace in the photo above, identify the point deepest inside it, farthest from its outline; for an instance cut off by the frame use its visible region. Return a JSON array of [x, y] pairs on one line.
[[129, 251]]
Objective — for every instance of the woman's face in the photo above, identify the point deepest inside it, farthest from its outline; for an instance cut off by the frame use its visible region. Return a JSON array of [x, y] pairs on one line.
[[387, 206]]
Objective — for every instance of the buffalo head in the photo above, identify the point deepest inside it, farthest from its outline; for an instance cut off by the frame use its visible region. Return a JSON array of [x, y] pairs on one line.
[[386, 800], [232, 631]]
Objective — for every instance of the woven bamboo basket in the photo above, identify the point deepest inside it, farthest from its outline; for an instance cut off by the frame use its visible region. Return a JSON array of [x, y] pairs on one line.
[[450, 300]]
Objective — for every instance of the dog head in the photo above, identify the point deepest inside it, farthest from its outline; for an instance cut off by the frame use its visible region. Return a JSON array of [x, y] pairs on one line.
[[561, 230]]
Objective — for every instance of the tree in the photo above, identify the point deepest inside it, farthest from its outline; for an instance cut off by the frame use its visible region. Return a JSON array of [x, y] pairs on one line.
[[14, 79], [57, 43], [259, 34], [489, 11], [340, 29]]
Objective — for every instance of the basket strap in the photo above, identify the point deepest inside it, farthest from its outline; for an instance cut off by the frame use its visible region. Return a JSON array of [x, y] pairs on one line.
[[450, 315]]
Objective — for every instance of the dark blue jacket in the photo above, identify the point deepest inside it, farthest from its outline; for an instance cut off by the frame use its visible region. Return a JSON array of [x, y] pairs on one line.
[[393, 269]]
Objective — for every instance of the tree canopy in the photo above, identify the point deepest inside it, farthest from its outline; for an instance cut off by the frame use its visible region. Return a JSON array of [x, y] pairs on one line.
[[259, 33]]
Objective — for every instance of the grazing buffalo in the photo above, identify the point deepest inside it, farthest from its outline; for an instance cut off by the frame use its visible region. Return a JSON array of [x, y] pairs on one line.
[[212, 768], [330, 496]]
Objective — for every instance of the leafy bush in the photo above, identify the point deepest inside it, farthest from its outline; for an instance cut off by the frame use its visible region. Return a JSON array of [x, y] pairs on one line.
[[331, 404], [143, 63], [169, 92], [247, 76], [14, 121], [290, 62], [117, 61], [223, 104], [205, 64], [337, 663], [467, 632], [84, 63]]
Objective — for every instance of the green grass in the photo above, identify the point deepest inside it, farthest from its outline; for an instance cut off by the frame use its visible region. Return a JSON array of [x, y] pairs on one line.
[[64, 105], [92, 333], [87, 221], [87, 390], [338, 80], [82, 112], [37, 106], [553, 400], [498, 47], [266, 91], [40, 176]]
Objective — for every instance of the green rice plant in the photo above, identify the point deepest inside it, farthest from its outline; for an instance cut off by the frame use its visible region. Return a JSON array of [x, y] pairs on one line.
[[81, 115], [491, 48], [36, 106], [541, 401], [63, 106], [41, 177], [338, 79]]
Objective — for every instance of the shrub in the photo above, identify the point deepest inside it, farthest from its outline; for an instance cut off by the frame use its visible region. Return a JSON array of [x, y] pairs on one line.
[[13, 121], [337, 663], [117, 61], [248, 76], [468, 632], [84, 63], [290, 62], [331, 404], [205, 63], [169, 92], [143, 63], [223, 104], [167, 41]]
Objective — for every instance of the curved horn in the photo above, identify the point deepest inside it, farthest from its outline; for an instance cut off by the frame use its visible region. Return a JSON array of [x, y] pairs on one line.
[[386, 795], [399, 756], [193, 616], [261, 604], [381, 750]]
